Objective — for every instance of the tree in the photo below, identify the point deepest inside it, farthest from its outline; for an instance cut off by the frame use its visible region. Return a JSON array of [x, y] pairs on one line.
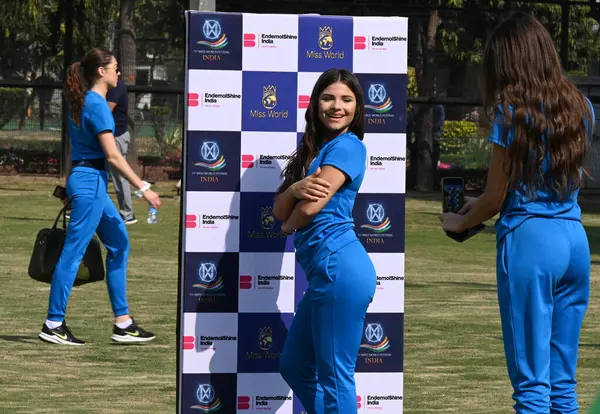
[[425, 72], [460, 38], [463, 36], [126, 41]]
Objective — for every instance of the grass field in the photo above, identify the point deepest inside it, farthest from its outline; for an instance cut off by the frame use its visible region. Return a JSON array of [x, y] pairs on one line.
[[454, 360]]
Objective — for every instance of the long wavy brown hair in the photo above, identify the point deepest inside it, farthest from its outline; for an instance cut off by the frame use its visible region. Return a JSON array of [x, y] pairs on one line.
[[80, 77], [522, 73], [315, 132]]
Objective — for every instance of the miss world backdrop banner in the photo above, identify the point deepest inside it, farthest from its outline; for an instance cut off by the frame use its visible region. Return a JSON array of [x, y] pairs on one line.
[[248, 82]]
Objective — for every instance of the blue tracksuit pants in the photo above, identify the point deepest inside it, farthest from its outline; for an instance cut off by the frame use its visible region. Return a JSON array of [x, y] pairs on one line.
[[92, 212], [320, 352], [543, 276]]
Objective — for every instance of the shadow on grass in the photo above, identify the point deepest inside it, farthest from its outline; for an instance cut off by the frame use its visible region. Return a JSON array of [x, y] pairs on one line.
[[489, 229], [432, 196], [16, 189], [26, 218], [488, 287], [593, 234], [589, 346], [427, 213], [163, 195], [19, 338], [471, 285]]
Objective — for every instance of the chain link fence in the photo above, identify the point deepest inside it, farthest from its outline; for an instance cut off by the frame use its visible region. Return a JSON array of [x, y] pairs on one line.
[[31, 131]]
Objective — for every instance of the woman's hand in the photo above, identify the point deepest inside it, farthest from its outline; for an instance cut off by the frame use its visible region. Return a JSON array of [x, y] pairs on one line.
[[469, 203], [452, 222], [287, 229], [152, 198], [311, 188]]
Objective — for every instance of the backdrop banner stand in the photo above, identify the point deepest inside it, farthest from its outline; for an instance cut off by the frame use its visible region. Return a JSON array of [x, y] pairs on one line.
[[248, 82]]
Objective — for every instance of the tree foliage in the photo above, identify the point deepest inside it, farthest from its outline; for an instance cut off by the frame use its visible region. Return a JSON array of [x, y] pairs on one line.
[[32, 34], [462, 36]]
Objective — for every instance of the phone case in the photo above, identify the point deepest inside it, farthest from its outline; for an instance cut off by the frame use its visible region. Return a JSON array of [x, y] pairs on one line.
[[455, 200], [467, 234]]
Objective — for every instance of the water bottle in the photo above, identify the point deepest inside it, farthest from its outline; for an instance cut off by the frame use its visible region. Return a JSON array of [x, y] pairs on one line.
[[152, 215]]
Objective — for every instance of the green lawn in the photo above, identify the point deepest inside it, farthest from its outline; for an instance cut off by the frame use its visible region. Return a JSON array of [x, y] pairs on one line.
[[454, 361]]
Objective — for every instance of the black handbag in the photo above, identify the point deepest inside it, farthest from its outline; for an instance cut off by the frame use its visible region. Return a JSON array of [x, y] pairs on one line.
[[48, 247]]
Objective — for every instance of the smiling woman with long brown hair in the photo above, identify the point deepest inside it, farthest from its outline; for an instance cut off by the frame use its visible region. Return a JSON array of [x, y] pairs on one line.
[[540, 135], [315, 202]]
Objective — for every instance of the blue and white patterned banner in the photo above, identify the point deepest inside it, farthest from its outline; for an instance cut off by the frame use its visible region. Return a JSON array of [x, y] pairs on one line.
[[248, 82]]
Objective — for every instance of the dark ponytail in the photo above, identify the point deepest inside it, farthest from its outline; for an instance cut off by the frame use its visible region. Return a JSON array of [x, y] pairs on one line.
[[80, 77], [75, 91]]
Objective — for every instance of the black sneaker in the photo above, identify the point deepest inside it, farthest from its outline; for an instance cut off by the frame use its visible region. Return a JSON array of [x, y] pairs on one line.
[[132, 334], [130, 221], [61, 335]]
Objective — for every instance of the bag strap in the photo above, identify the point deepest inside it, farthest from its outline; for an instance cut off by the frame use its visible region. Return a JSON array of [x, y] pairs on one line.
[[62, 212]]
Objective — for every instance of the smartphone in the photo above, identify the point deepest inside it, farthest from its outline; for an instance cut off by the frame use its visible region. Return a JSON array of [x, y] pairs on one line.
[[453, 198], [60, 192]]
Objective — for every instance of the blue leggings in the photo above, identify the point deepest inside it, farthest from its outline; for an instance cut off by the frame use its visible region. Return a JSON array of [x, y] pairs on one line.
[[92, 211], [321, 348], [543, 276]]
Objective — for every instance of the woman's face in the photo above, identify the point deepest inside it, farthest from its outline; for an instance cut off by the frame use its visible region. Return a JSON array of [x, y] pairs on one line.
[[110, 73], [337, 105]]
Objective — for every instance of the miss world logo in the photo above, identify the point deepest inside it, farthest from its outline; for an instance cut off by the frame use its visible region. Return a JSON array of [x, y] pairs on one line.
[[378, 222]]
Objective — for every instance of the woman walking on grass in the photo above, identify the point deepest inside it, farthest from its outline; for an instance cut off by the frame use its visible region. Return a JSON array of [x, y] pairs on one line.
[[91, 128]]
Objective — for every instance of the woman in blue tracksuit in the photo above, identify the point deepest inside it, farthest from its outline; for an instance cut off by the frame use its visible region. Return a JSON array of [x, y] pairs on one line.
[[540, 137], [91, 128], [321, 349]]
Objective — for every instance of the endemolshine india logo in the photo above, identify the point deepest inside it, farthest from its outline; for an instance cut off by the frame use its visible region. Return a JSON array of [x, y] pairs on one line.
[[262, 282], [210, 99], [376, 42], [261, 402], [262, 160], [207, 221], [269, 40], [378, 222]]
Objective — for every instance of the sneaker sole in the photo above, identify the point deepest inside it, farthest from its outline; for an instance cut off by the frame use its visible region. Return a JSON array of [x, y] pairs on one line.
[[130, 339], [53, 339], [127, 223]]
